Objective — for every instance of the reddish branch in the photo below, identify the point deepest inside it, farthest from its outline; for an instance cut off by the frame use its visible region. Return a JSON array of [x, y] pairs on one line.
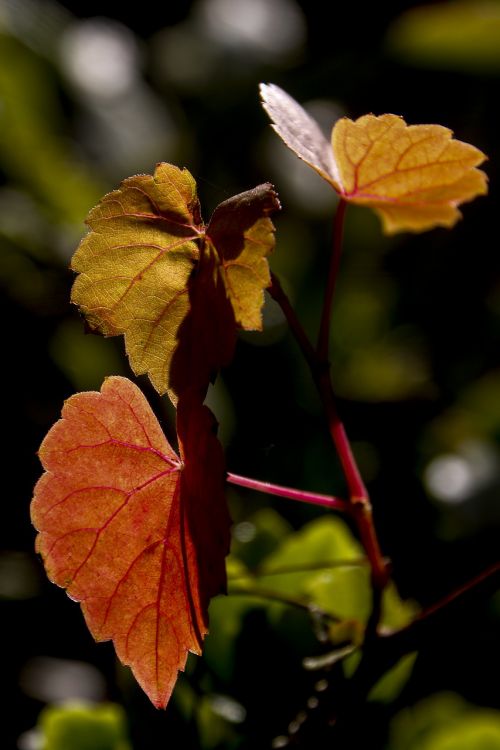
[[313, 498], [359, 501]]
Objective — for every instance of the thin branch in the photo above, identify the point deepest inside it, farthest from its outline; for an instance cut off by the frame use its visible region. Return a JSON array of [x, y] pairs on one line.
[[357, 489], [357, 562], [279, 295], [321, 375], [359, 501], [281, 598], [313, 498], [409, 637]]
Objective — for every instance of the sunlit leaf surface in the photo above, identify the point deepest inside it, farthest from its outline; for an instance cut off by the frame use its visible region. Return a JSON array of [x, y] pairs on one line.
[[151, 270], [413, 176]]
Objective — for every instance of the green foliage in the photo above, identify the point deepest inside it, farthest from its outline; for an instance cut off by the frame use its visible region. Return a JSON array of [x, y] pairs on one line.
[[32, 150], [445, 722], [320, 568], [84, 727], [325, 564], [387, 689], [460, 35]]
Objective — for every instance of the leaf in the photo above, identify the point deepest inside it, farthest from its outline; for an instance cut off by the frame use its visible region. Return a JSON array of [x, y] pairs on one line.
[[413, 176], [242, 235], [444, 721], [390, 685], [84, 727], [228, 281], [131, 531], [299, 131], [207, 335], [151, 270], [343, 591], [460, 35], [135, 263]]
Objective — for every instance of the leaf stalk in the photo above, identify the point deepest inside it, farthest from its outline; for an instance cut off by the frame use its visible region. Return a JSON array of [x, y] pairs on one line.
[[313, 498], [317, 359]]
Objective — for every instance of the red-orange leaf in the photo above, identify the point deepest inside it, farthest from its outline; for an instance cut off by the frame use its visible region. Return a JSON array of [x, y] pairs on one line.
[[135, 534]]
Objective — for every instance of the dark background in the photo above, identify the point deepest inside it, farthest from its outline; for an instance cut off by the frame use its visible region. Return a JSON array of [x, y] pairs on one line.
[[416, 343]]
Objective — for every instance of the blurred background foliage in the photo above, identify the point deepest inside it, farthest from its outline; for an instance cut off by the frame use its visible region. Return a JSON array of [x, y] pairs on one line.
[[91, 93]]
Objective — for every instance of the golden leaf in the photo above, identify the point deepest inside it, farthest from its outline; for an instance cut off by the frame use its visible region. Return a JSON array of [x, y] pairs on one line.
[[413, 176]]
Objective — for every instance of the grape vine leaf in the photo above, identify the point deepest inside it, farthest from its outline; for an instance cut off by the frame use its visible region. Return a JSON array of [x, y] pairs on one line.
[[413, 176], [132, 531], [148, 253]]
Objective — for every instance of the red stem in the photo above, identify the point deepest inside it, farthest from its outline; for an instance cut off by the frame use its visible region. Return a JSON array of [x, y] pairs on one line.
[[359, 499], [313, 498], [457, 594], [320, 369], [357, 489]]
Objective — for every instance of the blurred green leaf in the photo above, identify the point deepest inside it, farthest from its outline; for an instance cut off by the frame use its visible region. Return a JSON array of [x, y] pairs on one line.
[[215, 715], [445, 722], [212, 729], [32, 150], [85, 359], [226, 616], [374, 360], [84, 727], [342, 590], [461, 35], [320, 567], [474, 415], [392, 682]]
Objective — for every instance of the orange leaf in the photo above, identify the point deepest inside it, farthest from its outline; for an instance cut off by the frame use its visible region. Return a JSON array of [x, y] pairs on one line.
[[413, 176], [148, 251], [131, 531]]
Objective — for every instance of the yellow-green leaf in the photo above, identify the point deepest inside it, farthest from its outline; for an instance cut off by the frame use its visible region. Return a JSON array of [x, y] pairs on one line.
[[135, 263], [149, 269], [243, 237]]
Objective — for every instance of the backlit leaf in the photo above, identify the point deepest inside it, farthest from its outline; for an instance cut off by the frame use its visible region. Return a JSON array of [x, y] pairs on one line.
[[134, 533], [151, 270], [299, 131], [343, 590], [135, 263], [413, 176]]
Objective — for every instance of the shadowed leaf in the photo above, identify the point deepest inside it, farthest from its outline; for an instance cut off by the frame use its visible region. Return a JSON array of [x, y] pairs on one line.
[[135, 534], [243, 236], [207, 335]]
